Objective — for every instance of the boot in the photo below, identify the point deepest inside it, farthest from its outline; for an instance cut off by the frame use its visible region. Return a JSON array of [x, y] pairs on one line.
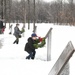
[[14, 42]]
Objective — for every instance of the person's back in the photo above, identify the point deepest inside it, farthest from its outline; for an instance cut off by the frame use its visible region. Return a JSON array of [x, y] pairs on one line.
[[29, 45], [16, 30], [17, 33]]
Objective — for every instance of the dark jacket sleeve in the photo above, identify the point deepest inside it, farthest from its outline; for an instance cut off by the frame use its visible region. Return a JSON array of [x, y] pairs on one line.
[[31, 46]]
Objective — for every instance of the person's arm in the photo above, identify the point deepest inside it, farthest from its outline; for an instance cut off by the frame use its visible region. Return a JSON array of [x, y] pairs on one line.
[[39, 40], [17, 30], [31, 46]]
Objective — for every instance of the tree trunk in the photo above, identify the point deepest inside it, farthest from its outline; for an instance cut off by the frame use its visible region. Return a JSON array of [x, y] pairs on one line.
[[28, 14], [34, 19], [5, 12], [2, 9]]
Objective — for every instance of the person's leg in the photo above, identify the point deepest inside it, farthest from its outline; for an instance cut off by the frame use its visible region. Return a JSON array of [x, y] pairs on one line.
[[33, 54], [14, 42], [29, 56], [17, 40]]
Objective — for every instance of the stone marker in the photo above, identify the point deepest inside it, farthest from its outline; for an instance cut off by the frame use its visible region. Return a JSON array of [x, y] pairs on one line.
[[62, 60]]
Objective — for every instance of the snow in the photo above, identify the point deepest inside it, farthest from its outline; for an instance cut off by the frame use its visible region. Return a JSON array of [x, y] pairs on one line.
[[12, 56]]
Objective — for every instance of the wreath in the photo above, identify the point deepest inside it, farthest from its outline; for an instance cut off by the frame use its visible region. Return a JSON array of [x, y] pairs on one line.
[[41, 44]]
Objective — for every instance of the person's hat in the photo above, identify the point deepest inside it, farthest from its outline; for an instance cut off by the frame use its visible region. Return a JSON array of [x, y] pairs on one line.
[[33, 35]]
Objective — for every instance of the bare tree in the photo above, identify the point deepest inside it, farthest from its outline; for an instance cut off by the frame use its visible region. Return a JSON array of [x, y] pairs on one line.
[[28, 14], [23, 11], [5, 12], [10, 4], [1, 9], [37, 11], [34, 18]]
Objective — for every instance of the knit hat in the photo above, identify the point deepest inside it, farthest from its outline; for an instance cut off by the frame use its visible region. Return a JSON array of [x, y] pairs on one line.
[[33, 35]]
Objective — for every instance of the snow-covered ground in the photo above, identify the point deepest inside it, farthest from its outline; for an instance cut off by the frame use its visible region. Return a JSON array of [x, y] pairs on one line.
[[12, 56]]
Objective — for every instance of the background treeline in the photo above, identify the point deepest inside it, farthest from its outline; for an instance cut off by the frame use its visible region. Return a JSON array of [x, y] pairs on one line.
[[60, 11]]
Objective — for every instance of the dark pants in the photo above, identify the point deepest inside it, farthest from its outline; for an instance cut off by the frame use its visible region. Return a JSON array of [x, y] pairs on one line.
[[16, 41], [31, 55]]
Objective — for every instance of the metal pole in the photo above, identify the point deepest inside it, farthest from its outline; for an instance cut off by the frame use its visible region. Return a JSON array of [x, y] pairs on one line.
[[49, 46]]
